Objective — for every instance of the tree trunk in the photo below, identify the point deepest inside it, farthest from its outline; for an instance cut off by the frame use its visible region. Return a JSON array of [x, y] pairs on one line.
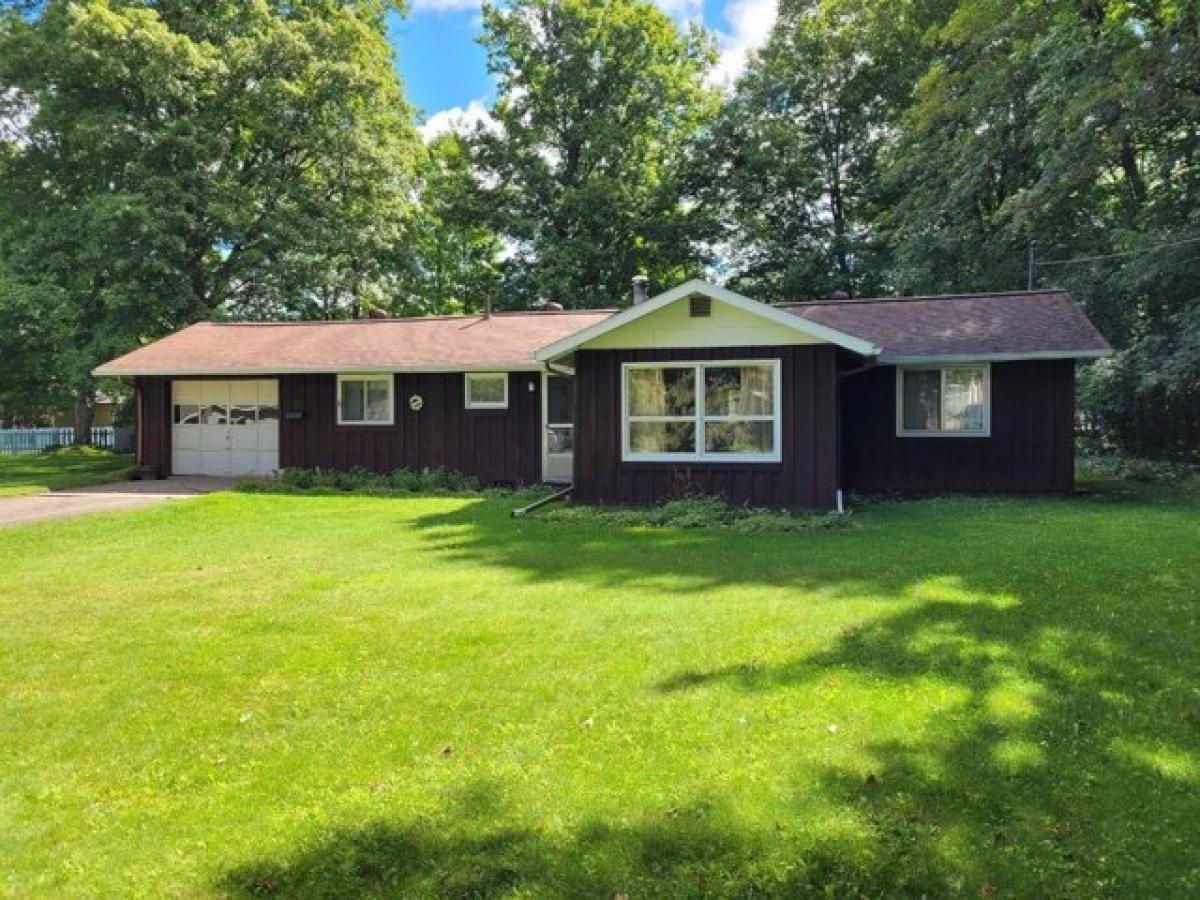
[[85, 411]]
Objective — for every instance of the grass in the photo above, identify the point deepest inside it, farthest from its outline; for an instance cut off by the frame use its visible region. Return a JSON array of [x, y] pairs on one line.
[[258, 695], [71, 467]]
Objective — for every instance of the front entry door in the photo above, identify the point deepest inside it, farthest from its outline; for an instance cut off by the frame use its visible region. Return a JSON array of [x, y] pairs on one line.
[[558, 416]]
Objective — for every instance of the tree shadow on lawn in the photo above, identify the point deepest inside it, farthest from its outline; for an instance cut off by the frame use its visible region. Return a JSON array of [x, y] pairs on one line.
[[1068, 768], [1072, 763], [1066, 764], [691, 852], [1044, 543]]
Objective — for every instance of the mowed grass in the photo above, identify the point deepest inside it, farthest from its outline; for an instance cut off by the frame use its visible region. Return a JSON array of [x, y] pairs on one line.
[[33, 473], [248, 695]]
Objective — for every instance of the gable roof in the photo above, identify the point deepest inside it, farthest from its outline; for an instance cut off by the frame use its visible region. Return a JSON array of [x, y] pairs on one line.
[[697, 286], [503, 341], [1046, 324]]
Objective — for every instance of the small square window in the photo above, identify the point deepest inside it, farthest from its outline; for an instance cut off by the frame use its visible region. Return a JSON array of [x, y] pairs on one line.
[[487, 390], [364, 400]]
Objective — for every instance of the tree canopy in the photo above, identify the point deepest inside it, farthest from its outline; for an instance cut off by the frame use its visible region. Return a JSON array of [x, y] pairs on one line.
[[184, 159], [166, 161], [599, 104]]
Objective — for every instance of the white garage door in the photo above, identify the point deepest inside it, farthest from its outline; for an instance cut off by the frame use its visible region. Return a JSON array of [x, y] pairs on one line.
[[225, 427]]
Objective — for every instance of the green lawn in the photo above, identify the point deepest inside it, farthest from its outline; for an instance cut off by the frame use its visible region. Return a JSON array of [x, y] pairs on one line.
[[348, 696], [33, 473]]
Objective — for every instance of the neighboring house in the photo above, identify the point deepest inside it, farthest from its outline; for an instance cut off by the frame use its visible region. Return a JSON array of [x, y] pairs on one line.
[[104, 413], [698, 387]]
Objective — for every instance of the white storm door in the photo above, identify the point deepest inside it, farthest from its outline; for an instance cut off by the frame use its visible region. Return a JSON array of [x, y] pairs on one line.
[[558, 439]]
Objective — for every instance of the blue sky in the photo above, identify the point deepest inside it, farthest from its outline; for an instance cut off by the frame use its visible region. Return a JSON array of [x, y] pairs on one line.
[[445, 70]]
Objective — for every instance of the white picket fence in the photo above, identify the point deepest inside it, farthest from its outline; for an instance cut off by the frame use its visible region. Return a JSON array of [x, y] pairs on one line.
[[35, 440]]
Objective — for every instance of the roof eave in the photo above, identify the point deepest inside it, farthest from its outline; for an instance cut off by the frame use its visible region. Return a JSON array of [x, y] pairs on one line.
[[899, 359], [262, 372]]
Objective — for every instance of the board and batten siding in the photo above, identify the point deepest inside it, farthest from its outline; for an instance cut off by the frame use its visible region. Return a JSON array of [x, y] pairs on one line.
[[807, 475], [501, 446], [152, 423], [496, 446], [1031, 447]]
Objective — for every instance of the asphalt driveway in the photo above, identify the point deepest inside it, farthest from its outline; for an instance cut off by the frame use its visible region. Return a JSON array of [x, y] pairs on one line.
[[105, 498]]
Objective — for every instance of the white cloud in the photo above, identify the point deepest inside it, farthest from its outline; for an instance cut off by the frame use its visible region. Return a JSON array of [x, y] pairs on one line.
[[443, 6], [750, 23], [458, 119], [681, 9]]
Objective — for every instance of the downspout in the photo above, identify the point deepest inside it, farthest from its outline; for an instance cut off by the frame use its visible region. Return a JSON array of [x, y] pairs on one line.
[[542, 501]]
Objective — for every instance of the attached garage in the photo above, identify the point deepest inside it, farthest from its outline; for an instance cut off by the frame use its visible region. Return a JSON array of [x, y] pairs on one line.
[[225, 427]]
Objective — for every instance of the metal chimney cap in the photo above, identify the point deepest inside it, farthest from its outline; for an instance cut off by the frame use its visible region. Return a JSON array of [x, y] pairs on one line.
[[641, 288]]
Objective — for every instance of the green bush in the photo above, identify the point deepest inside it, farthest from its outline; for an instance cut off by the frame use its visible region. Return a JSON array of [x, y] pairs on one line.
[[695, 512], [364, 481], [1134, 468]]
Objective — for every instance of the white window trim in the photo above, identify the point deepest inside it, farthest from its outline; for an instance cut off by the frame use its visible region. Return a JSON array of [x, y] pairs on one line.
[[368, 376], [901, 431], [470, 377], [699, 417]]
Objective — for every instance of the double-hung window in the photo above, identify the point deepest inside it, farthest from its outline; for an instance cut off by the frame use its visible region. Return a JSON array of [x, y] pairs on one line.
[[364, 400], [719, 411], [950, 401]]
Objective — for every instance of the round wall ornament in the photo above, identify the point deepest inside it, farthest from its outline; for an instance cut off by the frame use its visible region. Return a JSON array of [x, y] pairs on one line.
[[415, 402]]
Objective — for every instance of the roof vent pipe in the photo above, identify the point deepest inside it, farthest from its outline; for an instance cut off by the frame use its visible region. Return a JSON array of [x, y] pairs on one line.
[[641, 289]]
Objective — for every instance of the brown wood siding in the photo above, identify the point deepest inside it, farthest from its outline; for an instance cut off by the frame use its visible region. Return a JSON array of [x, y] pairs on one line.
[[806, 476], [152, 411], [1031, 448], [496, 446]]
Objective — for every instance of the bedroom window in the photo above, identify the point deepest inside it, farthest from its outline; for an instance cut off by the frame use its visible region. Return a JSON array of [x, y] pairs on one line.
[[487, 390], [719, 411], [364, 399], [946, 401]]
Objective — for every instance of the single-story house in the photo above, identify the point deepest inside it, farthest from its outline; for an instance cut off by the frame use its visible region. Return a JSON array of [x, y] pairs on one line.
[[698, 387]]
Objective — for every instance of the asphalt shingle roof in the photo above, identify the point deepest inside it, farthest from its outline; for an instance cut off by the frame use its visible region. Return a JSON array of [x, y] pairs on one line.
[[502, 341], [1043, 323], [952, 326]]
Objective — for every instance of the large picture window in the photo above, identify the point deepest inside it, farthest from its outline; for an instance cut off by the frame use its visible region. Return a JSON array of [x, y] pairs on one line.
[[364, 399], [953, 401], [718, 411]]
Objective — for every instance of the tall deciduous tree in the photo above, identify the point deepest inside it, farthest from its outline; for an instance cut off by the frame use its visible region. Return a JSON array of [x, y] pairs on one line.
[[451, 261], [182, 159], [1077, 126], [599, 101], [795, 152]]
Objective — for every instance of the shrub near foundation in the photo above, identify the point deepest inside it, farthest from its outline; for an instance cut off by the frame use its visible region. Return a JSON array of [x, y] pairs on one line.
[[697, 512], [364, 481]]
